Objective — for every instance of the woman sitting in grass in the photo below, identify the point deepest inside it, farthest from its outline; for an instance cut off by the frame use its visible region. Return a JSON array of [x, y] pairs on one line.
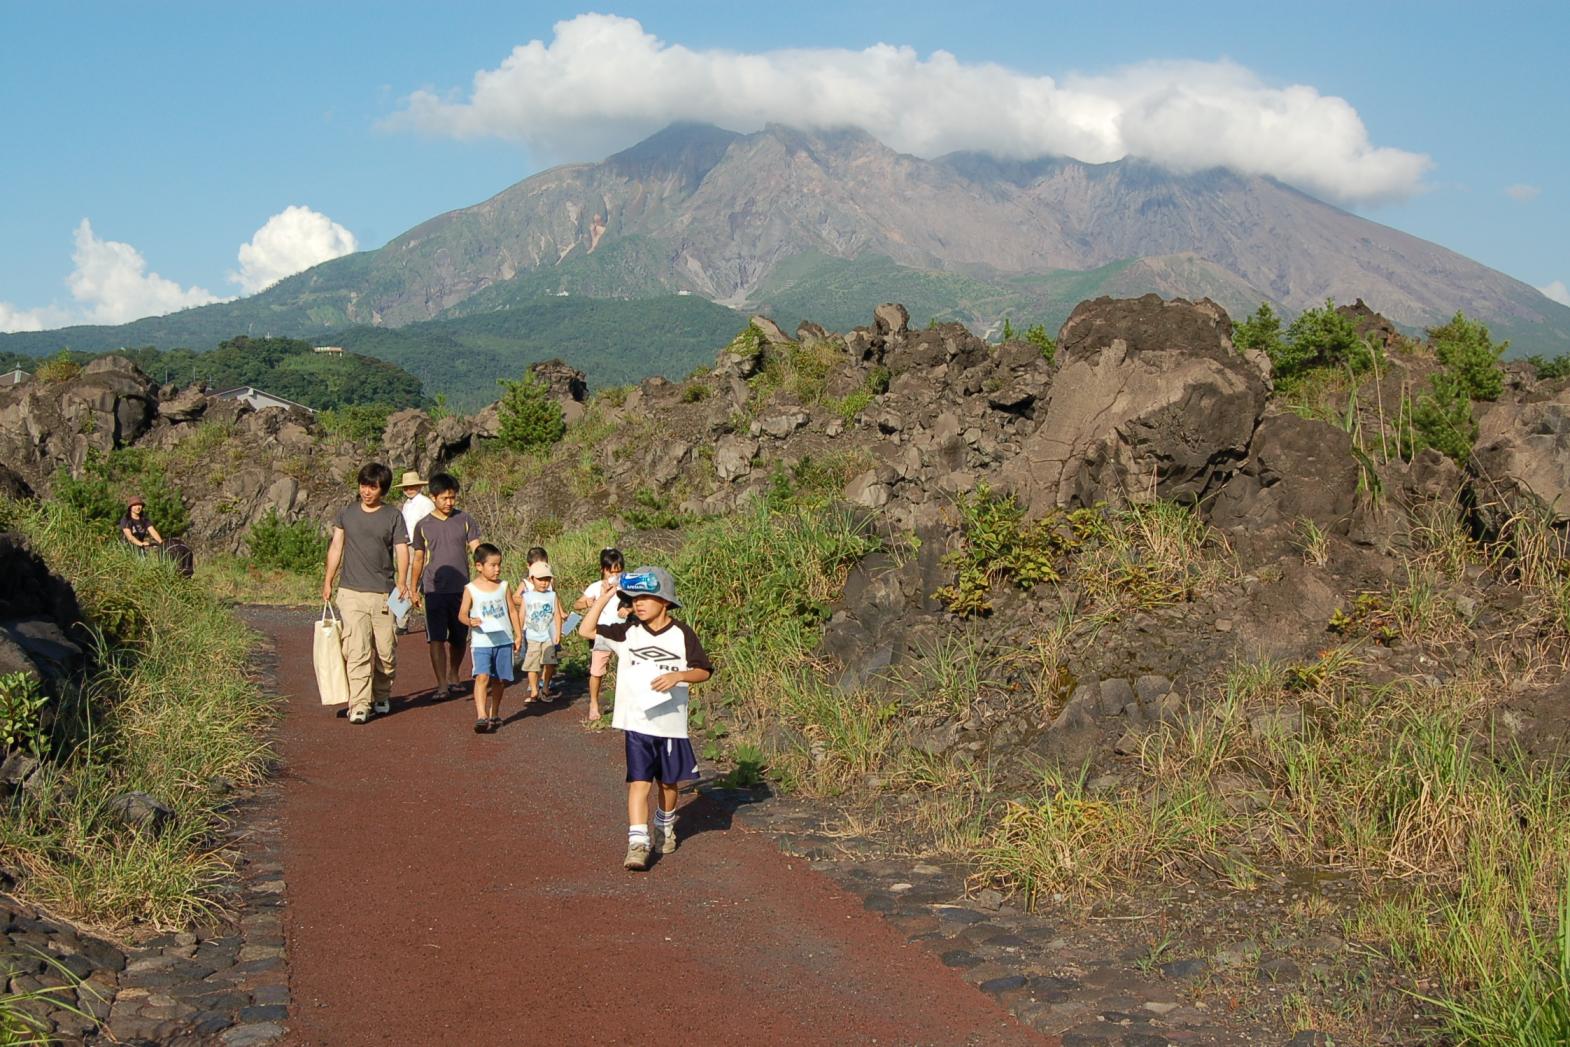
[[136, 528]]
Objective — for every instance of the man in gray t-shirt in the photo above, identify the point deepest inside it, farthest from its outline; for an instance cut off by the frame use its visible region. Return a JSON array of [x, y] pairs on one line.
[[371, 546], [443, 541]]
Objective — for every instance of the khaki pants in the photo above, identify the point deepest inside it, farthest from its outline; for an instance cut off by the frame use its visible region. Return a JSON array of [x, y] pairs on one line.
[[370, 650]]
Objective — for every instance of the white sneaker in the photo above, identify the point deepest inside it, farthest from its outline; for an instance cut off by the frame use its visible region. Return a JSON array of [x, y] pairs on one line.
[[359, 716], [382, 707], [637, 855], [664, 839]]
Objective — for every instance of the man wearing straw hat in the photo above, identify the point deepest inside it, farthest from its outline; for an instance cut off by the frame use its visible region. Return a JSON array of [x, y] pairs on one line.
[[417, 505]]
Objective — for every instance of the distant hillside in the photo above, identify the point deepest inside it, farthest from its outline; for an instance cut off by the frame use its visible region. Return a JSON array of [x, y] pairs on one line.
[[282, 366], [613, 342]]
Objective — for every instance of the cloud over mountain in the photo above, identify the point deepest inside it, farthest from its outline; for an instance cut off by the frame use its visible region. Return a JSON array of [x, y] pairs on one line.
[[292, 240], [112, 283], [603, 81]]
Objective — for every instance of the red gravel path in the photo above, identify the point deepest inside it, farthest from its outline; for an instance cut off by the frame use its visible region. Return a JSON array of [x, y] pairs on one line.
[[451, 888]]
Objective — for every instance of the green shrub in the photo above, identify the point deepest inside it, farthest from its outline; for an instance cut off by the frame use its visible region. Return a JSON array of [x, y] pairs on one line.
[[695, 393], [1320, 338], [21, 708], [107, 483], [58, 368], [358, 423], [649, 511], [300, 546], [1466, 351], [1036, 335], [530, 419], [1261, 331], [1550, 367], [1442, 417]]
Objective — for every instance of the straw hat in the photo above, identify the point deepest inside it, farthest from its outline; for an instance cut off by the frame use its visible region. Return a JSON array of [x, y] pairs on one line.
[[411, 478]]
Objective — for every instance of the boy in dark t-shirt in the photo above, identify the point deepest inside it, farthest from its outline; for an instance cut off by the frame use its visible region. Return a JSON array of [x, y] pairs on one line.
[[442, 542], [657, 658]]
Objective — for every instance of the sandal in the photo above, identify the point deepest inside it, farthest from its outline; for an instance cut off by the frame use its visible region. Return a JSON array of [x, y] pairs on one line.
[[496, 724], [481, 726]]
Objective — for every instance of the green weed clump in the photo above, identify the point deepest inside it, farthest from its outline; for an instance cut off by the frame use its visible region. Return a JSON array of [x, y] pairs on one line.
[[361, 424], [299, 546], [1142, 557], [107, 482], [171, 711], [998, 544]]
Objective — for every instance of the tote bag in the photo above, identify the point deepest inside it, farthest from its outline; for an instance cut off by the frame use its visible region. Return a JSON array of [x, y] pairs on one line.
[[332, 677]]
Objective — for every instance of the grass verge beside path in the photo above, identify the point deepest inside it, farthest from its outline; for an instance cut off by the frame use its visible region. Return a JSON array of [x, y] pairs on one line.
[[171, 710]]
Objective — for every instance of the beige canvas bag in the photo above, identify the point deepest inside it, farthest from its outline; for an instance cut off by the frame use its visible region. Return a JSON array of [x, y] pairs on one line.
[[332, 676]]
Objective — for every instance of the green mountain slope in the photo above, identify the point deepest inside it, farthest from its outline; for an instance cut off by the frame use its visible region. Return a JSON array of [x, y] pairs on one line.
[[612, 341]]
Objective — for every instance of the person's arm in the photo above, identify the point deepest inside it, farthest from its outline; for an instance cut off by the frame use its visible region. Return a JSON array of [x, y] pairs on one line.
[[414, 575], [557, 618], [515, 613], [131, 537], [401, 573], [158, 539], [699, 668], [588, 628], [463, 610], [665, 681], [334, 560]]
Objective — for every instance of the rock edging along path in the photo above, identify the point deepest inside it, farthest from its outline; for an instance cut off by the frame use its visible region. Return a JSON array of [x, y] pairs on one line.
[[448, 887]]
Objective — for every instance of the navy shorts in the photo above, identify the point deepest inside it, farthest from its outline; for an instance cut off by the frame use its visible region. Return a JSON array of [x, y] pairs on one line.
[[441, 619], [665, 760], [493, 661]]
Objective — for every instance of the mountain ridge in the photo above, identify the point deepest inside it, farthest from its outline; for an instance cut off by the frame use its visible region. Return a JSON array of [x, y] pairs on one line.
[[717, 213]]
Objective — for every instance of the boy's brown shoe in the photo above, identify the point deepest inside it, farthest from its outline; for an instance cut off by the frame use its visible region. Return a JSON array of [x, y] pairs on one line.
[[664, 839], [637, 856]]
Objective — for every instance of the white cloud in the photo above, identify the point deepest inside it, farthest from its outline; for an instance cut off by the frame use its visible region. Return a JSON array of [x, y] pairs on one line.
[[1557, 291], [292, 240], [15, 318], [1523, 193], [112, 283], [602, 81]]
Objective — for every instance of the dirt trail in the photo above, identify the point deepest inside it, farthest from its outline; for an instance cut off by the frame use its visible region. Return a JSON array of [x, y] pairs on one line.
[[452, 888]]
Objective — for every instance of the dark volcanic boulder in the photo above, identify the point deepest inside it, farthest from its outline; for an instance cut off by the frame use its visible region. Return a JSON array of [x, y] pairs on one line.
[[41, 628], [1150, 400], [1298, 468]]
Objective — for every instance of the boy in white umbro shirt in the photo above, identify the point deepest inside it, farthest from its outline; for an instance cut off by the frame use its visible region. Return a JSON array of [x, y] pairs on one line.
[[657, 658]]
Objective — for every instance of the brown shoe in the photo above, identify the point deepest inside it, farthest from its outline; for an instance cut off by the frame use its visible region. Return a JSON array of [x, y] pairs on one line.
[[637, 856]]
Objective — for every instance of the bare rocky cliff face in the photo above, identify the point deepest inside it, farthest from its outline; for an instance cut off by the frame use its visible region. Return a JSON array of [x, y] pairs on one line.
[[725, 209]]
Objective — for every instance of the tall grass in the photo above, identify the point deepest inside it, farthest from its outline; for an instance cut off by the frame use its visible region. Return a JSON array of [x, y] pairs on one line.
[[171, 710]]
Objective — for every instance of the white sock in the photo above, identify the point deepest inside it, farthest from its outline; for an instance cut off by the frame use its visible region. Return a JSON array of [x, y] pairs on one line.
[[664, 819], [638, 833]]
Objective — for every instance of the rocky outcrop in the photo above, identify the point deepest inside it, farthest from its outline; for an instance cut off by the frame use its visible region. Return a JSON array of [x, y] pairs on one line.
[[44, 425], [1521, 460], [41, 634], [412, 440], [1149, 401]]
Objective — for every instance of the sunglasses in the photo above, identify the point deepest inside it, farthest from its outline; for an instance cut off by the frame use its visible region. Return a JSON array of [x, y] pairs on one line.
[[642, 582]]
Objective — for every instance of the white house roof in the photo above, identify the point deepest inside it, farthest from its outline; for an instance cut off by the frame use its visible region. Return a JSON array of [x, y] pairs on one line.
[[259, 398]]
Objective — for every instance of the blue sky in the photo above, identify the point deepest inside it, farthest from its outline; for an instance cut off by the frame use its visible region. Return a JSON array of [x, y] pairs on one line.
[[179, 131]]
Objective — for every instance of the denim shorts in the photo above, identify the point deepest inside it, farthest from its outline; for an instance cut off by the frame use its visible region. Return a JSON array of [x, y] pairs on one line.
[[493, 661]]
